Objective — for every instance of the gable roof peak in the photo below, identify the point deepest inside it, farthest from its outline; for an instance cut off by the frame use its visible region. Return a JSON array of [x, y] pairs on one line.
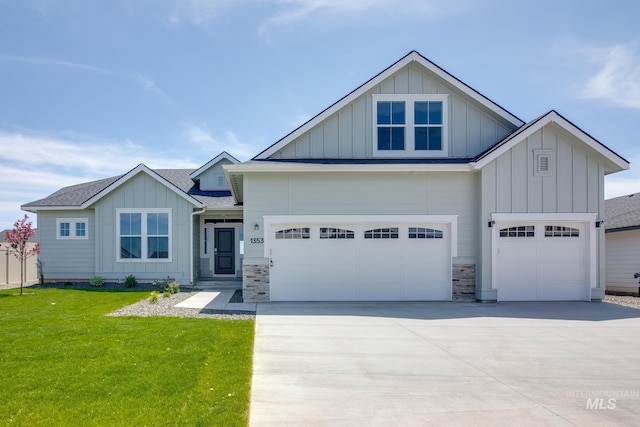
[[411, 57], [222, 156]]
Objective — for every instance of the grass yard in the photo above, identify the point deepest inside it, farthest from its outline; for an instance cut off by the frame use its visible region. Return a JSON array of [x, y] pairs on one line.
[[62, 363]]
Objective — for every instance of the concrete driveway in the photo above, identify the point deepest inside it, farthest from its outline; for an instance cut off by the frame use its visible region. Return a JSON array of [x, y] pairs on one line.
[[416, 364]]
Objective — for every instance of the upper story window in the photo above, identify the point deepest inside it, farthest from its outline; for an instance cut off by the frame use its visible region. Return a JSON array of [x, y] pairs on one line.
[[144, 235], [72, 228], [410, 125]]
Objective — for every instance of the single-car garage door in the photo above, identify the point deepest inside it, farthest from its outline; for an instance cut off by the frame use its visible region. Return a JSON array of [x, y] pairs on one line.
[[542, 262], [360, 262]]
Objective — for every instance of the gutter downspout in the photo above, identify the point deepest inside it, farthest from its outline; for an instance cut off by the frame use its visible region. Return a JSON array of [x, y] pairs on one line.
[[193, 214]]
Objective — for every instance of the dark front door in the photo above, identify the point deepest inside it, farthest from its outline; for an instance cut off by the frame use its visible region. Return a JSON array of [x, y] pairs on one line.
[[224, 251]]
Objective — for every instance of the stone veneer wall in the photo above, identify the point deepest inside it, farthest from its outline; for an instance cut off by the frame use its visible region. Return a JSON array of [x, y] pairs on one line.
[[255, 283], [464, 282]]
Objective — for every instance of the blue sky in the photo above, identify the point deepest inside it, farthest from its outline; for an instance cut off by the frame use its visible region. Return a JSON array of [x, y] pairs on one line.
[[89, 89]]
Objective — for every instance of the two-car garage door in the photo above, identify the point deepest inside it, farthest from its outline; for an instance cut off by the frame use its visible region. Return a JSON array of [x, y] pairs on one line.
[[542, 261], [360, 262]]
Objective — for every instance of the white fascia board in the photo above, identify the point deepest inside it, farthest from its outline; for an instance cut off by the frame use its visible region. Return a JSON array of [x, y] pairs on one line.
[[411, 57], [270, 220], [536, 217], [133, 172], [235, 192], [212, 162], [550, 117], [319, 167], [35, 209]]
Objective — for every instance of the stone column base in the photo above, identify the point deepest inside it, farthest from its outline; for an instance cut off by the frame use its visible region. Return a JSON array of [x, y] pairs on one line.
[[463, 283], [255, 283]]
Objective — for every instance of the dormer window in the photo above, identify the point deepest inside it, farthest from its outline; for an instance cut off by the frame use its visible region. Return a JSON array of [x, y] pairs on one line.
[[410, 125]]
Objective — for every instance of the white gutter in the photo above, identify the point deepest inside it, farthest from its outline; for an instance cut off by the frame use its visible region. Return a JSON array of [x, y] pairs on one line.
[[193, 214]]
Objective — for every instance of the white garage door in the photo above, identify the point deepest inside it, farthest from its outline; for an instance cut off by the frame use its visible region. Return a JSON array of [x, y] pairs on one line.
[[360, 262], [542, 262]]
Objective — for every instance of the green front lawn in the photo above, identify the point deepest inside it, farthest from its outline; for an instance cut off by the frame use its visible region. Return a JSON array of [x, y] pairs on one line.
[[62, 362]]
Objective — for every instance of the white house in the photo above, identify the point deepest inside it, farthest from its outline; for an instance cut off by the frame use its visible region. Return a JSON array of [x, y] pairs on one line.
[[622, 242], [412, 187]]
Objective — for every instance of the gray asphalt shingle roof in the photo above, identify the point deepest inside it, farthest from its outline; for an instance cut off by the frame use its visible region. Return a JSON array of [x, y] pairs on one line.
[[76, 195], [622, 212]]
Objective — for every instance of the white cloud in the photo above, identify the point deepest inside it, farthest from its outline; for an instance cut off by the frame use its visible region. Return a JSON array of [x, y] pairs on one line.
[[293, 12], [142, 81], [33, 165], [202, 137], [617, 79], [198, 12]]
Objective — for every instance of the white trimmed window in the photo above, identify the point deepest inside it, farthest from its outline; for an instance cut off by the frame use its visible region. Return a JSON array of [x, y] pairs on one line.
[[72, 228], [410, 125], [144, 235]]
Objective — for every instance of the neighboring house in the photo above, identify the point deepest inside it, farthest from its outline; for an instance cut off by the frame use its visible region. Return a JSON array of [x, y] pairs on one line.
[[412, 187], [10, 265], [622, 228]]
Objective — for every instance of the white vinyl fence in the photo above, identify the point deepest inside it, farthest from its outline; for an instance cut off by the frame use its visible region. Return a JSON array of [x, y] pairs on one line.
[[10, 268]]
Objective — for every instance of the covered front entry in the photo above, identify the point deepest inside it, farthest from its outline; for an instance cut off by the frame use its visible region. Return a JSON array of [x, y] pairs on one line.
[[360, 261], [221, 248], [545, 260]]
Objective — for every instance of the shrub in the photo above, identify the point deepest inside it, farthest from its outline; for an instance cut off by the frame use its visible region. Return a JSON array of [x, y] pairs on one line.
[[153, 299], [130, 281], [166, 294], [173, 287], [97, 281], [162, 283], [68, 284]]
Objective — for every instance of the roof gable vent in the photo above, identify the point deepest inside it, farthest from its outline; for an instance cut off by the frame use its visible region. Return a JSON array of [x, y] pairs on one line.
[[543, 164]]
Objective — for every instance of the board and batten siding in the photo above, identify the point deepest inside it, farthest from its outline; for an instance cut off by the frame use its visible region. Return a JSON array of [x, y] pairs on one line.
[[348, 133], [508, 184], [420, 193], [143, 192], [209, 179], [622, 249], [66, 258]]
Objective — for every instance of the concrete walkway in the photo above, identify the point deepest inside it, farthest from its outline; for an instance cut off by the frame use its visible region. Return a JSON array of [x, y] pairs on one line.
[[215, 300], [416, 364]]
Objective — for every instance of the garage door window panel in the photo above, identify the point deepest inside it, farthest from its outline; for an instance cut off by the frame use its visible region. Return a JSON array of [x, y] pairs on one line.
[[424, 233], [382, 233], [557, 231], [519, 231], [336, 233], [294, 233]]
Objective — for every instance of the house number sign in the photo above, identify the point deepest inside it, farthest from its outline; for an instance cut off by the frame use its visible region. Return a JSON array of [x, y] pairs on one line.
[[257, 240]]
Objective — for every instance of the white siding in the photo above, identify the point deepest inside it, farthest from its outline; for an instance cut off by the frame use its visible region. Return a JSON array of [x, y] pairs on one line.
[[622, 249], [509, 185], [210, 179], [348, 133], [362, 194], [142, 192], [66, 258]]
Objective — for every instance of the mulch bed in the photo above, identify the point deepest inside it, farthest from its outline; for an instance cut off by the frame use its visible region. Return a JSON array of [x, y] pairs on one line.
[[119, 286]]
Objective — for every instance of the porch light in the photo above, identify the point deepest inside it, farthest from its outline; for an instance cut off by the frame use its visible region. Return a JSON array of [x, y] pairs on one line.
[[256, 226]]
